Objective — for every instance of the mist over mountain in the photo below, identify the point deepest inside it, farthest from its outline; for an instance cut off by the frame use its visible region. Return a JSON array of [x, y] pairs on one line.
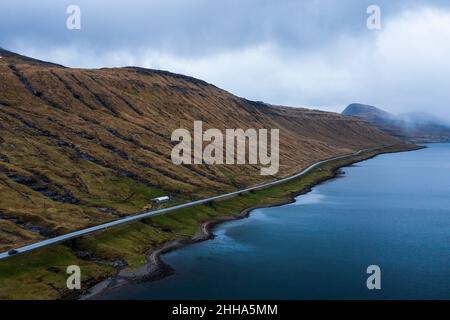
[[416, 127]]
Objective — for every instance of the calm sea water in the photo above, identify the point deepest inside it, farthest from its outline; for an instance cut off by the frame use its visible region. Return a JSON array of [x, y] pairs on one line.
[[392, 211]]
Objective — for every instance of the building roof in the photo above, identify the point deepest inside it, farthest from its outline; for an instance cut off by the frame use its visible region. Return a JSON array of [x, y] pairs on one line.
[[161, 198]]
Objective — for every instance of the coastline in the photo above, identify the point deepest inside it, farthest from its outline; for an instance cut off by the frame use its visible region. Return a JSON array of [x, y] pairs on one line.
[[156, 269]]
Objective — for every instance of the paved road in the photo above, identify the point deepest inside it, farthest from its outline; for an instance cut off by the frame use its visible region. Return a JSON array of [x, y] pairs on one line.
[[141, 216]]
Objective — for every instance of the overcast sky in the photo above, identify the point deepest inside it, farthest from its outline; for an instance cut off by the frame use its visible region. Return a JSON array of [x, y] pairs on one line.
[[313, 53]]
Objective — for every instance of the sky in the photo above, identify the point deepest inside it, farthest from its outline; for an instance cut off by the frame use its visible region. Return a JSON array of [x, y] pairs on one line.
[[309, 53]]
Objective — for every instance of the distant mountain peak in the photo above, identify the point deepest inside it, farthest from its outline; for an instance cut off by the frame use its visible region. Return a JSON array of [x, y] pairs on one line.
[[369, 114], [365, 110], [415, 127]]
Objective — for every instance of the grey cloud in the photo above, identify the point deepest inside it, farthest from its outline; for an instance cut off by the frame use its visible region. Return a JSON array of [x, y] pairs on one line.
[[311, 52], [193, 28]]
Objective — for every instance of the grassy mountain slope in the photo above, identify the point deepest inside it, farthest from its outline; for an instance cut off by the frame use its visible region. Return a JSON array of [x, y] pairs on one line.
[[81, 147]]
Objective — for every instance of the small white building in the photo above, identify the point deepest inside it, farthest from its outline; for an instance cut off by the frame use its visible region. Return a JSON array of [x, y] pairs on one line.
[[162, 199]]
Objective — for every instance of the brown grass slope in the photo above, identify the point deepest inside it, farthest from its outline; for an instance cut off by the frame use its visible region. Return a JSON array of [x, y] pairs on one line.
[[80, 147]]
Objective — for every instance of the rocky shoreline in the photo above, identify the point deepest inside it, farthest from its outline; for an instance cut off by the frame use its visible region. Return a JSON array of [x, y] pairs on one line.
[[156, 269]]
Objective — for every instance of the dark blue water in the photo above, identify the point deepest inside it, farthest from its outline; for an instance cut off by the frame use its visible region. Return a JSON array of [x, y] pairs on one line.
[[392, 211]]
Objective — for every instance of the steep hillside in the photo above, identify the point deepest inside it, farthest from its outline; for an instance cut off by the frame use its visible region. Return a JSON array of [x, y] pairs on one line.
[[413, 127], [81, 147]]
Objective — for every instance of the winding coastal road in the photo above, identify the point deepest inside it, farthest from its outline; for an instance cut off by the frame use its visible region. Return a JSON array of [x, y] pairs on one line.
[[76, 234]]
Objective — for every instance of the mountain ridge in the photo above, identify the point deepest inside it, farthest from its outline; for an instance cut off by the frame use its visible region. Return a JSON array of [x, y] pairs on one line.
[[79, 147]]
